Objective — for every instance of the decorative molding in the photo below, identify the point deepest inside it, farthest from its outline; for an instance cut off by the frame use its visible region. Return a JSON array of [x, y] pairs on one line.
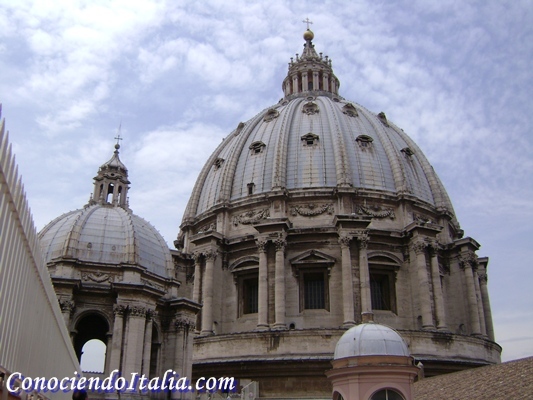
[[250, 217], [375, 211], [152, 284], [150, 314], [311, 210], [434, 247], [310, 108], [483, 278]]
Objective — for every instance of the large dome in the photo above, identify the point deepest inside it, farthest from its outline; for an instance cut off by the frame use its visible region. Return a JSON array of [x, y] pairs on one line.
[[314, 140], [106, 234]]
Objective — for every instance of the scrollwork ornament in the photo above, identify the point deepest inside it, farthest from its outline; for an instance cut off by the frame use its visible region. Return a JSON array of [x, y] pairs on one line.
[[251, 217], [434, 247], [483, 278]]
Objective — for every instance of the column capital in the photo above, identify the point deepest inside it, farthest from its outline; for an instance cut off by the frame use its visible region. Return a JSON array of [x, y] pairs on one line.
[[418, 246], [150, 314], [67, 306], [119, 309], [434, 246], [468, 259], [483, 278], [137, 311], [185, 324], [196, 256], [344, 240], [261, 244], [362, 238], [210, 254], [280, 244]]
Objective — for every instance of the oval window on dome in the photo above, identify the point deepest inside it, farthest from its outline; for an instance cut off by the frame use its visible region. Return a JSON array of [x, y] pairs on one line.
[[270, 115], [257, 147]]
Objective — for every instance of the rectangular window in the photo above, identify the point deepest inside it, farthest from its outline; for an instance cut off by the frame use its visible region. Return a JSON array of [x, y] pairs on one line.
[[314, 291], [380, 290], [250, 295]]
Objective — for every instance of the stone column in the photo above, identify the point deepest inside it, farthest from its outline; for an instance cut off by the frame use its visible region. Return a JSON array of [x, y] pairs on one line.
[[207, 309], [295, 84], [262, 315], [364, 278], [486, 304], [305, 81], [147, 342], [67, 308], [438, 297], [116, 342], [419, 247], [467, 262], [279, 291], [347, 282], [182, 350], [479, 299], [316, 85], [325, 82], [134, 343], [197, 277]]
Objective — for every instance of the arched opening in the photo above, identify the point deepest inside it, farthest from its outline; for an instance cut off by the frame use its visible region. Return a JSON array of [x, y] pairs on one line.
[[91, 328], [119, 198], [93, 356], [110, 190], [337, 396]]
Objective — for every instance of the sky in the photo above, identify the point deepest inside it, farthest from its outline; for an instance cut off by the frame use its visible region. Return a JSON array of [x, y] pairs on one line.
[[179, 76]]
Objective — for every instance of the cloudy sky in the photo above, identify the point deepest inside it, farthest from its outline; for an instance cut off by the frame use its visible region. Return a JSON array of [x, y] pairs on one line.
[[178, 76]]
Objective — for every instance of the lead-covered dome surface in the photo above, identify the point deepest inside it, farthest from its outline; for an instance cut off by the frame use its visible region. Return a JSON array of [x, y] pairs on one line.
[[106, 234], [370, 339], [314, 139]]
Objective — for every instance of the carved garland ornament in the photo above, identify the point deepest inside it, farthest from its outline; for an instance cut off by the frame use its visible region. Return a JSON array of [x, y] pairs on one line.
[[376, 212], [311, 210], [97, 277], [250, 217]]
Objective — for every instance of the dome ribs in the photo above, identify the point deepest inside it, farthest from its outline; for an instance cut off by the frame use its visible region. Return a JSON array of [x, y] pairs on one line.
[[339, 149], [279, 168]]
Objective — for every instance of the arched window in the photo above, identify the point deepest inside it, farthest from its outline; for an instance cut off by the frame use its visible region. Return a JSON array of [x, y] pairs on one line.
[[93, 356], [90, 342], [387, 394]]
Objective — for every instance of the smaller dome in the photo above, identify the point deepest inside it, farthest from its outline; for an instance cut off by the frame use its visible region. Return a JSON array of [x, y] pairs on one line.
[[309, 35], [370, 339]]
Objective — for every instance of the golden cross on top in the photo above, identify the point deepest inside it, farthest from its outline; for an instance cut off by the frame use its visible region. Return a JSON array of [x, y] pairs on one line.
[[307, 21]]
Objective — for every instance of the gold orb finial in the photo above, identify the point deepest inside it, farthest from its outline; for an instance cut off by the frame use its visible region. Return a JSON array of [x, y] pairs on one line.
[[309, 35]]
